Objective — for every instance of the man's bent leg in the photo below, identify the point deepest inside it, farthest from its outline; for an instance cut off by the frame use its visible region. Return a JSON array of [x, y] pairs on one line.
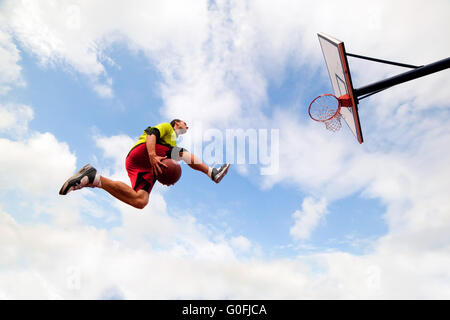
[[194, 162], [125, 193]]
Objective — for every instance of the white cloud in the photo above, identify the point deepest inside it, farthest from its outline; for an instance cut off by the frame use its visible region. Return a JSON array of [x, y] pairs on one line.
[[10, 70], [115, 148], [241, 243], [14, 119], [53, 33], [76, 34], [308, 218], [35, 161], [104, 91], [86, 263]]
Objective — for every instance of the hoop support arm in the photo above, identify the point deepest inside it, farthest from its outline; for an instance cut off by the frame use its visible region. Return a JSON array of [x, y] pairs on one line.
[[383, 61], [404, 77]]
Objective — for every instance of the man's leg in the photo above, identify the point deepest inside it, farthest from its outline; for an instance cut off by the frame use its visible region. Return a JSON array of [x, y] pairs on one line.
[[195, 163], [89, 177], [125, 193]]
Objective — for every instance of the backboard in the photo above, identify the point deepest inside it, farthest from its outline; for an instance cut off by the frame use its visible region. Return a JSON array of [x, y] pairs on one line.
[[336, 60]]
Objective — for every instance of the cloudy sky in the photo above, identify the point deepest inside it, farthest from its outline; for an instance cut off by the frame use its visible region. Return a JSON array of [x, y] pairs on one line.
[[81, 80]]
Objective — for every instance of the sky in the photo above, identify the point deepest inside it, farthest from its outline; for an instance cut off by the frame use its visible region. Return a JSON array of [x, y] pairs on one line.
[[331, 219]]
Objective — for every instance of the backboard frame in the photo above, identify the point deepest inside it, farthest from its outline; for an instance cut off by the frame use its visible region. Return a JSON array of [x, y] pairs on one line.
[[335, 57]]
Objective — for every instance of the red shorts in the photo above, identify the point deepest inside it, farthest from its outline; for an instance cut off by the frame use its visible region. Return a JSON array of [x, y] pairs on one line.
[[139, 169]]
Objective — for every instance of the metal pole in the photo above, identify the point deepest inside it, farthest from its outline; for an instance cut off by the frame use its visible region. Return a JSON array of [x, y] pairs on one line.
[[383, 61], [404, 77]]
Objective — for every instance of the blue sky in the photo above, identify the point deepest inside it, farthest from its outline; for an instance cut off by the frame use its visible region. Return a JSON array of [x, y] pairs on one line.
[[93, 83]]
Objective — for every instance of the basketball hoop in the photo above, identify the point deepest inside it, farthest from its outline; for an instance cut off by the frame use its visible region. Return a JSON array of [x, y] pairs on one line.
[[326, 108]]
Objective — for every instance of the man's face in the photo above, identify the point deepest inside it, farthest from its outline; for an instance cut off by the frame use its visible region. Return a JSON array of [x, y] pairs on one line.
[[181, 127]]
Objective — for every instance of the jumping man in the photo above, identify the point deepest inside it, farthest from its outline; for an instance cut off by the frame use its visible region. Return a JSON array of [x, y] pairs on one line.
[[143, 164]]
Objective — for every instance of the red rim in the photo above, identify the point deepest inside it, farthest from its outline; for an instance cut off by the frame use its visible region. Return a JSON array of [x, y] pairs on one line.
[[334, 115]]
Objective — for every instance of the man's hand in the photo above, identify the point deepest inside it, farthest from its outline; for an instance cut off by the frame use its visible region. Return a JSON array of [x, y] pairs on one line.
[[155, 162]]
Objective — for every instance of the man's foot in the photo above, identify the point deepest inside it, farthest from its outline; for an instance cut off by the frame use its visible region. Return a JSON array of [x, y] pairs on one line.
[[218, 174], [86, 177]]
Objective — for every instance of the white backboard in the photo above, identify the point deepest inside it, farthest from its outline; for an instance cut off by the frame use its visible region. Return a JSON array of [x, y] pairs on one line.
[[336, 60]]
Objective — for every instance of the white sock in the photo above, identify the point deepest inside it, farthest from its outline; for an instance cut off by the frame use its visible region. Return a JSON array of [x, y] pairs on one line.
[[97, 181], [210, 172]]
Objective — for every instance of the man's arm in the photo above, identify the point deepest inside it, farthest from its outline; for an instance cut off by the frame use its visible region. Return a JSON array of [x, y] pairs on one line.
[[151, 142], [155, 161]]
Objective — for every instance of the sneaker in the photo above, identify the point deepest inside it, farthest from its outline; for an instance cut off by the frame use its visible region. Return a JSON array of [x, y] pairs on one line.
[[86, 177], [218, 174]]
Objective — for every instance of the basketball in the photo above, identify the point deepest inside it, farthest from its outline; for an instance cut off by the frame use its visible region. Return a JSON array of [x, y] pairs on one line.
[[171, 174]]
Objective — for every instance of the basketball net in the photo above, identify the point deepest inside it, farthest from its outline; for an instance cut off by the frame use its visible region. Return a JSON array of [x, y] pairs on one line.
[[326, 108]]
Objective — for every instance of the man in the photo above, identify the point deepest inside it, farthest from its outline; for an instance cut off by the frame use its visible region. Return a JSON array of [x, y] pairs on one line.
[[143, 164]]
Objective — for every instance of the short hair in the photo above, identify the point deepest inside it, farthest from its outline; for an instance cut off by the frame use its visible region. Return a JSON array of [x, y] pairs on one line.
[[172, 123]]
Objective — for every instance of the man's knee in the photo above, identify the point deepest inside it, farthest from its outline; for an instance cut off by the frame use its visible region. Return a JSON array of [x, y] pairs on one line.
[[142, 200], [140, 204], [177, 153]]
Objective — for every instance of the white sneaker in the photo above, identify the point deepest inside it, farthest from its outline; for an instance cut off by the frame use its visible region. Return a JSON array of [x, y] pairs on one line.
[[86, 177], [218, 174]]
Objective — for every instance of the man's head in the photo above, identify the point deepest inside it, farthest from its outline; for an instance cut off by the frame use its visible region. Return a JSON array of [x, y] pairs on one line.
[[179, 126]]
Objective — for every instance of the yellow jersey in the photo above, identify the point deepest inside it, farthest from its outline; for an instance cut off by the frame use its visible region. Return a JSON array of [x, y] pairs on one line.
[[164, 132]]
